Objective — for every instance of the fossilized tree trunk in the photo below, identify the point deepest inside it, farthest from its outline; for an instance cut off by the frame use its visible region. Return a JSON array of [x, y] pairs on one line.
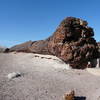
[[72, 41]]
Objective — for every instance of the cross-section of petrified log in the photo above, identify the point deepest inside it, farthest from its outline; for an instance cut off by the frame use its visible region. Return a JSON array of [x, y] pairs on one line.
[[72, 41]]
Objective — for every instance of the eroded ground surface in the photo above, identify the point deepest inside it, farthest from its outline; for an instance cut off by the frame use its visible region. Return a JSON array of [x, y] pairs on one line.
[[43, 78]]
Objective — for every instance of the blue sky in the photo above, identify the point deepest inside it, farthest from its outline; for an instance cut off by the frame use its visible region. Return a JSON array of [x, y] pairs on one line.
[[23, 20]]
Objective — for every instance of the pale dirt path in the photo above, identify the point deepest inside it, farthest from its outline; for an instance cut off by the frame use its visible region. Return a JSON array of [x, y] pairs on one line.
[[42, 80]]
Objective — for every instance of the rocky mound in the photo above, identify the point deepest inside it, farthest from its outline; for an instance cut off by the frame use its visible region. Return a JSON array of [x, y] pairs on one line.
[[72, 41]]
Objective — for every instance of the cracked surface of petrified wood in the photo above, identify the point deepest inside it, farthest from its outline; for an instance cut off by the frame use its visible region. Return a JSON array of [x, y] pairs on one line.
[[72, 41], [99, 46]]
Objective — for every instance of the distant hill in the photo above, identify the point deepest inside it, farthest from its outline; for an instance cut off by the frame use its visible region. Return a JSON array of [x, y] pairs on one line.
[[2, 48]]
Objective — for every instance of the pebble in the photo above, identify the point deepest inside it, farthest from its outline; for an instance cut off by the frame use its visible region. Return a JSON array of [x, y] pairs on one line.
[[14, 75]]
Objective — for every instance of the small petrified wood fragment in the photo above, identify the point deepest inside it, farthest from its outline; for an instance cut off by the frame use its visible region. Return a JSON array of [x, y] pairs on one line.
[[69, 96]]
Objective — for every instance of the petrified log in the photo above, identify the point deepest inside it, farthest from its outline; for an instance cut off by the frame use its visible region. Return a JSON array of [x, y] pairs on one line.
[[72, 41]]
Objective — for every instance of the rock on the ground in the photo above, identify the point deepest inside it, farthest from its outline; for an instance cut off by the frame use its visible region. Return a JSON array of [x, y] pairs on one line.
[[13, 75]]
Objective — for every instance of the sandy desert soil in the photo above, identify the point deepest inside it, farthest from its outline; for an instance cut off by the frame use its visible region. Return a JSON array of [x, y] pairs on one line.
[[44, 78]]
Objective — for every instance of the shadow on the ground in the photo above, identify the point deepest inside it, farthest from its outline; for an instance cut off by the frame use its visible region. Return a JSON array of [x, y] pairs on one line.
[[80, 98]]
